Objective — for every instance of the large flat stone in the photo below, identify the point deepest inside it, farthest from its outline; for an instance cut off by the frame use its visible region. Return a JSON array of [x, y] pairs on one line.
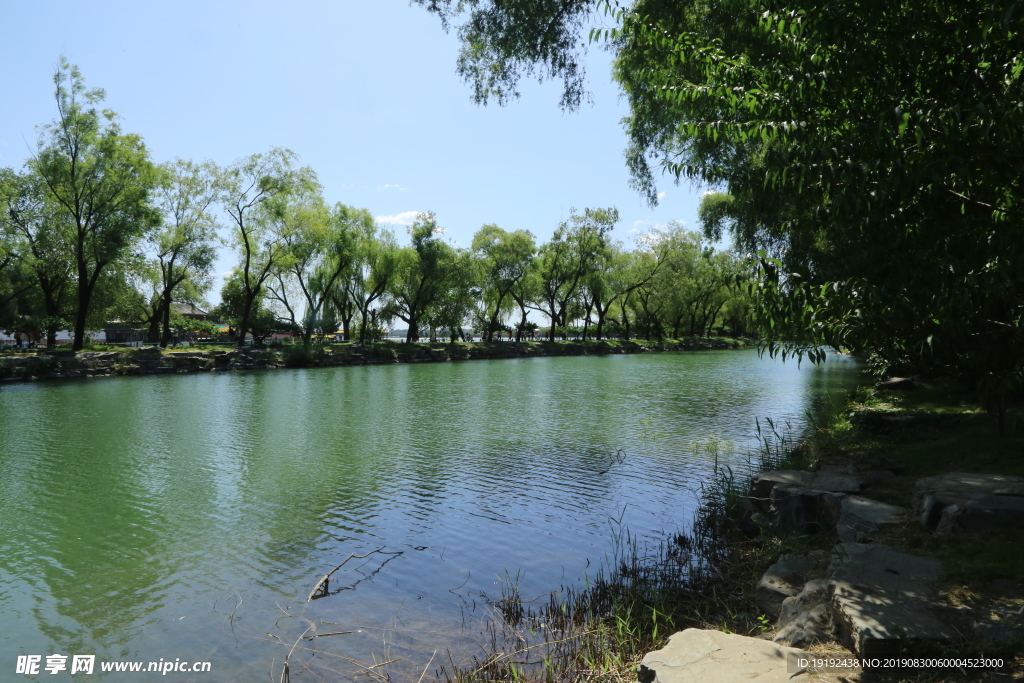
[[943, 500], [981, 514], [966, 485], [698, 656], [827, 479], [882, 601], [783, 579], [860, 516]]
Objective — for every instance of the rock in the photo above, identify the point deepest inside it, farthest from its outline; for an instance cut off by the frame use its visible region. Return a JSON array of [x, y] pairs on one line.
[[963, 486], [99, 355], [761, 485], [882, 602], [1003, 625], [696, 656], [827, 479], [783, 579], [804, 511], [806, 618], [980, 514], [898, 384], [945, 499], [860, 516]]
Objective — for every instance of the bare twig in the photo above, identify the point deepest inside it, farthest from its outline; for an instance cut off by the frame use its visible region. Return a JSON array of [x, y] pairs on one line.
[[285, 672], [426, 667], [323, 583]]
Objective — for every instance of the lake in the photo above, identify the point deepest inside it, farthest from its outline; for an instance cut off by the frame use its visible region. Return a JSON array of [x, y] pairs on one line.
[[188, 517]]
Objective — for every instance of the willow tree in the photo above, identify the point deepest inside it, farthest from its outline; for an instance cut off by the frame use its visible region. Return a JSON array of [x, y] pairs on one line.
[[504, 260], [40, 263], [185, 247], [424, 273], [255, 192], [100, 181], [321, 246], [575, 251]]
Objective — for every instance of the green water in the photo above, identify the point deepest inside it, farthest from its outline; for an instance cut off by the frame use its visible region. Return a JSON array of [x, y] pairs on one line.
[[190, 516]]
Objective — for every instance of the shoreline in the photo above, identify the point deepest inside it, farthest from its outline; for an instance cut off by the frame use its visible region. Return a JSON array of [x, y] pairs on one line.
[[152, 360]]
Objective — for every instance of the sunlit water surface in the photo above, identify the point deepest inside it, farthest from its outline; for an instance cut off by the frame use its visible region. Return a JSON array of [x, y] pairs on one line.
[[190, 516]]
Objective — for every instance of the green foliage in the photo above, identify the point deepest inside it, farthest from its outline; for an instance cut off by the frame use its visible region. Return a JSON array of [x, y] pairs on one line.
[[300, 355], [873, 153], [302, 263], [425, 274], [505, 39], [98, 182], [257, 195]]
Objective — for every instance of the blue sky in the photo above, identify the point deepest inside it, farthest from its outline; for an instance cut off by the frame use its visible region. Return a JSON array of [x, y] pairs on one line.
[[364, 92]]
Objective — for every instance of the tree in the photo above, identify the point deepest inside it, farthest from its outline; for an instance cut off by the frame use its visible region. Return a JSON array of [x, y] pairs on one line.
[[255, 194], [235, 303], [185, 248], [377, 259], [456, 302], [504, 39], [622, 273], [424, 272], [505, 259], [320, 243], [36, 244], [100, 181], [845, 138], [572, 254]]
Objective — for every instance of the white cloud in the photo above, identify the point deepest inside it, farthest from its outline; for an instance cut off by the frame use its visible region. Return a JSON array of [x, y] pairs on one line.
[[404, 218], [391, 186], [661, 195]]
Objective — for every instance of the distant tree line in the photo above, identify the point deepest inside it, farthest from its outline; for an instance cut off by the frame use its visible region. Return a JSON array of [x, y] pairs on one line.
[[93, 231]]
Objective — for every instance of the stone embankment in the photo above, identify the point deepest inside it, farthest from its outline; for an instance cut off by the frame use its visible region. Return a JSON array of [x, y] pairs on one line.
[[874, 600], [154, 361]]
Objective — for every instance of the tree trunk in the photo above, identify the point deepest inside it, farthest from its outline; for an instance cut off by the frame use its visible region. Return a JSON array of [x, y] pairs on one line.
[[153, 335], [346, 325], [553, 317], [165, 338], [52, 309], [243, 324], [84, 295]]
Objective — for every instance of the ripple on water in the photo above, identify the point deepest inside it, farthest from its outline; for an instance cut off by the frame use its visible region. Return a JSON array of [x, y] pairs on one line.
[[173, 515]]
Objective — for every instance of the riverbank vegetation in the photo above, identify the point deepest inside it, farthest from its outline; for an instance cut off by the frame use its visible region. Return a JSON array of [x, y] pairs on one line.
[[93, 231]]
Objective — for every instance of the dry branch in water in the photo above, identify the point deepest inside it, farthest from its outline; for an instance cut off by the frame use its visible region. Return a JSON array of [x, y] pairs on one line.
[[323, 584]]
